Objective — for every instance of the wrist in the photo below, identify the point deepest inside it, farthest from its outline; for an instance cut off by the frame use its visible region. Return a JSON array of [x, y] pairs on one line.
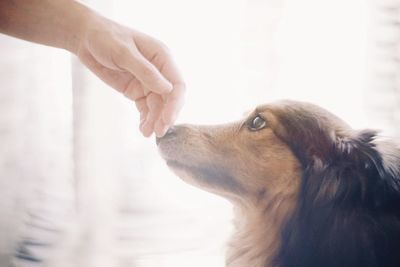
[[80, 20]]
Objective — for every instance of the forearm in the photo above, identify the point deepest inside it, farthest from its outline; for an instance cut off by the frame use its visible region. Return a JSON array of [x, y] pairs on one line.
[[57, 23]]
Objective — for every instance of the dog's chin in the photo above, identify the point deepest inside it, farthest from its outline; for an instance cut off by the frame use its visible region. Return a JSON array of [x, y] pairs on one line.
[[187, 173], [207, 177]]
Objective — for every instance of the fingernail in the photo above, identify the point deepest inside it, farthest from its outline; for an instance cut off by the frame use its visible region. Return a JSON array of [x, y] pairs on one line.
[[161, 132], [173, 118], [165, 129], [169, 120], [141, 125], [144, 126], [146, 132]]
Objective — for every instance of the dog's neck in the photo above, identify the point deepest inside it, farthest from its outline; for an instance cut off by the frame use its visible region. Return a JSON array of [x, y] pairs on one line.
[[257, 235]]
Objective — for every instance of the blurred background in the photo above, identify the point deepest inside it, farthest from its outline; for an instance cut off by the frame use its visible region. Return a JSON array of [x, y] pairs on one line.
[[79, 185]]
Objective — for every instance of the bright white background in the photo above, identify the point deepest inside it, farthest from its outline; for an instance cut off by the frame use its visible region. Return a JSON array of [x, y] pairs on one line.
[[73, 160]]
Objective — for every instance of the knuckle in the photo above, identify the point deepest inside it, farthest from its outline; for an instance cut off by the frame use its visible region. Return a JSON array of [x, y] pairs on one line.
[[148, 73], [163, 50], [163, 47], [122, 52]]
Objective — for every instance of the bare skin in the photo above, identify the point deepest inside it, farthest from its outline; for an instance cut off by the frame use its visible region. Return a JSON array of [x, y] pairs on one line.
[[129, 61]]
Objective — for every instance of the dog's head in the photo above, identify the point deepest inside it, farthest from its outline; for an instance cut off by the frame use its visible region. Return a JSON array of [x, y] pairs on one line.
[[260, 155]]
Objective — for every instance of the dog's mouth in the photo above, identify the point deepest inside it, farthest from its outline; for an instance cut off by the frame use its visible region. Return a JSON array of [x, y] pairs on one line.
[[207, 176], [176, 164]]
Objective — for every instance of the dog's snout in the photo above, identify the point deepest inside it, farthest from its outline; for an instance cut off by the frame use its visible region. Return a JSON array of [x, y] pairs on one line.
[[170, 133]]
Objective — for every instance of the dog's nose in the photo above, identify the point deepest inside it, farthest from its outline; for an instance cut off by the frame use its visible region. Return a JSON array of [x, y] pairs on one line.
[[171, 132]]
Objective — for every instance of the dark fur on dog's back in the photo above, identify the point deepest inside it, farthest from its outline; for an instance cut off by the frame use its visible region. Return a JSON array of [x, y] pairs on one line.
[[348, 213]]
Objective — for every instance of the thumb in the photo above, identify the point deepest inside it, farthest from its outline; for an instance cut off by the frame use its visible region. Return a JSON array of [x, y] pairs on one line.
[[143, 70]]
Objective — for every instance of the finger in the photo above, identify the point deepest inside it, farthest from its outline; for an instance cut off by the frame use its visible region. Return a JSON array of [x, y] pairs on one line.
[[173, 104], [134, 90], [175, 99], [154, 104], [150, 77], [120, 80], [160, 128], [141, 105]]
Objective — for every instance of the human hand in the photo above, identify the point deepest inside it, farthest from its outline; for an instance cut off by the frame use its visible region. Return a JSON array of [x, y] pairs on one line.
[[136, 65]]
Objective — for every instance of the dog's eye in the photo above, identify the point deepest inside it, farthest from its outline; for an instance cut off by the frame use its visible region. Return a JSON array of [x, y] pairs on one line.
[[257, 123]]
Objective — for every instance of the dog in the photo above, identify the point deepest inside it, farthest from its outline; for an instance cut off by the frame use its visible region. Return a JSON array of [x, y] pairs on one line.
[[307, 189]]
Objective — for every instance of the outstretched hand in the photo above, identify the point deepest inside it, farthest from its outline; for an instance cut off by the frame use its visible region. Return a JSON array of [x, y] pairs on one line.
[[138, 66], [131, 62]]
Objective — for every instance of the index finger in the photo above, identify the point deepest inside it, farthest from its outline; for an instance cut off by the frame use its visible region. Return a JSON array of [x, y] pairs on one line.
[[149, 75], [174, 100], [173, 104]]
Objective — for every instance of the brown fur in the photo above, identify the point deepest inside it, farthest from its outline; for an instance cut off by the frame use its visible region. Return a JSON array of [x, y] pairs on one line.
[[256, 170]]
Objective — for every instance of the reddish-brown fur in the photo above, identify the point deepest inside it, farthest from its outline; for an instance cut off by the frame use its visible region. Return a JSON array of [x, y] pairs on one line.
[[258, 170]]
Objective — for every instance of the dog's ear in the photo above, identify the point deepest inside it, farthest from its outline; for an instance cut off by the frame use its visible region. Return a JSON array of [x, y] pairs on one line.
[[359, 171], [366, 169]]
